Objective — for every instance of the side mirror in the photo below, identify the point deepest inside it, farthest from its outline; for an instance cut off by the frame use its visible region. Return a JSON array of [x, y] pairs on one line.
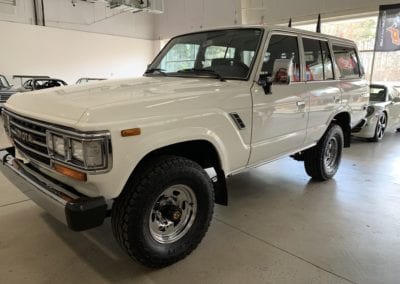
[[265, 81], [282, 72], [396, 100]]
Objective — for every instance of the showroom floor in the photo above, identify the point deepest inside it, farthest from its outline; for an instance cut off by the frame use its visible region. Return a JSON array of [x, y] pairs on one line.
[[279, 227]]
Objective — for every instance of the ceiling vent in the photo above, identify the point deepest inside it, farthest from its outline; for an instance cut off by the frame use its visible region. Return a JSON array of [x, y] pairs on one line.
[[150, 6]]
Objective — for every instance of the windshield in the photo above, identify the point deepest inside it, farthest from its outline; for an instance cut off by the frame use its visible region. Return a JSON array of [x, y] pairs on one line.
[[224, 54], [377, 94], [3, 82]]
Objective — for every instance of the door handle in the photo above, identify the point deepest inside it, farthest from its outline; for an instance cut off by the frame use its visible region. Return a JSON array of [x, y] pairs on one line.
[[336, 100], [301, 104]]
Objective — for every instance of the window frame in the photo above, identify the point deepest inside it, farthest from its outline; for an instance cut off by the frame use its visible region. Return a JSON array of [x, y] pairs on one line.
[[350, 46], [299, 46], [323, 40], [252, 67]]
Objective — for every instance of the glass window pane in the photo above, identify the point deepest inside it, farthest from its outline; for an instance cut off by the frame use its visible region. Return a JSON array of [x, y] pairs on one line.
[[313, 60], [282, 47], [181, 56], [347, 62], [214, 52]]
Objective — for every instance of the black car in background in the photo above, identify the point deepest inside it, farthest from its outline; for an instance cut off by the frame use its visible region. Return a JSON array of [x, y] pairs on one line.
[[42, 83]]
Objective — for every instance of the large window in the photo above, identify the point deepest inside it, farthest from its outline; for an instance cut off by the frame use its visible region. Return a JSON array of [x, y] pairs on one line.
[[362, 31], [223, 54], [282, 47]]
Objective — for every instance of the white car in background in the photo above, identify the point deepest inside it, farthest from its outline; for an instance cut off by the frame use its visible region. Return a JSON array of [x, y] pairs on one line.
[[383, 111]]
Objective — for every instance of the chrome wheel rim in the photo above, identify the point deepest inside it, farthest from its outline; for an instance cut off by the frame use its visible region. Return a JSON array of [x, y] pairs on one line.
[[173, 214], [331, 154], [380, 127]]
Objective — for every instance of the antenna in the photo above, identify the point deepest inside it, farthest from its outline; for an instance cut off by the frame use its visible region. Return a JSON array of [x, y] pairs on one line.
[[319, 24], [290, 23]]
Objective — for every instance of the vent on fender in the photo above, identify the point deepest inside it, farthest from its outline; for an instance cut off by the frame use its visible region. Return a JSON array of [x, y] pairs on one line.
[[239, 122]]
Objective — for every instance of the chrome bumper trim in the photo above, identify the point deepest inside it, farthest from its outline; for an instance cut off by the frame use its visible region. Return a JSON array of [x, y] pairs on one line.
[[78, 212]]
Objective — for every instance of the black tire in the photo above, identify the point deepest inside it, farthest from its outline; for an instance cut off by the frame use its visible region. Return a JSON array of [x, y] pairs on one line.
[[380, 128], [138, 209], [318, 162]]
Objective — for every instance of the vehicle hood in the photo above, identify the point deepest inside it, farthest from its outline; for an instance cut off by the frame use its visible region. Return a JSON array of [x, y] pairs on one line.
[[68, 105]]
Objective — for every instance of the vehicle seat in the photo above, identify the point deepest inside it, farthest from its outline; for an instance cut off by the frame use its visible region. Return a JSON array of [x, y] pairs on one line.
[[229, 67], [381, 96]]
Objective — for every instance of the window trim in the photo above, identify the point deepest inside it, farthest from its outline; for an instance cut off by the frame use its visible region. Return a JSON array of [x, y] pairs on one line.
[[299, 46], [354, 47], [252, 66]]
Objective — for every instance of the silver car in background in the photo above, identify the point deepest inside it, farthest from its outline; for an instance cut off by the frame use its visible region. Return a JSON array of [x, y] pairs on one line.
[[383, 111]]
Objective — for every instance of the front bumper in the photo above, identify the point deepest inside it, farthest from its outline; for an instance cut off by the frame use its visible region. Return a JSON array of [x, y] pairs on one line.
[[71, 208]]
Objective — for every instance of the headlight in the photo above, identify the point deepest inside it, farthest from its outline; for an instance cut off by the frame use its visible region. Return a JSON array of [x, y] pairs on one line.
[[93, 154], [77, 150], [57, 145], [370, 111], [90, 152]]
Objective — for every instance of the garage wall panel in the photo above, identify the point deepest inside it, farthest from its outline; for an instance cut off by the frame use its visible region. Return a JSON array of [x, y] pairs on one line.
[[70, 54]]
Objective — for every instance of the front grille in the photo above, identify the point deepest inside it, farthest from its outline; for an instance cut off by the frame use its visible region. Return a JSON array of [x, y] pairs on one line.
[[4, 97], [29, 137]]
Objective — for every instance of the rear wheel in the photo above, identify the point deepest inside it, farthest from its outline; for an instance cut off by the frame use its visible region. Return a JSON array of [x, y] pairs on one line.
[[380, 128], [164, 211], [322, 161]]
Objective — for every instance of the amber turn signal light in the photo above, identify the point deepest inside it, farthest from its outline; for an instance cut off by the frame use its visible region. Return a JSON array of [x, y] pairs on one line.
[[131, 132], [70, 172]]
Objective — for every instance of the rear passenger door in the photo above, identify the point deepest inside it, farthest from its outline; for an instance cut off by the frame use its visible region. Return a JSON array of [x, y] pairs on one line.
[[323, 89], [355, 90]]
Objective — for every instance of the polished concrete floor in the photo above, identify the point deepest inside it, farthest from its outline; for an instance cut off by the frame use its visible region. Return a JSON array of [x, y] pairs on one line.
[[280, 227]]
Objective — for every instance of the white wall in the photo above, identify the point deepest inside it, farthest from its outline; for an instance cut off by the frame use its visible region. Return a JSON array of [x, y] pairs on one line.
[[182, 16], [279, 11], [21, 13], [70, 54]]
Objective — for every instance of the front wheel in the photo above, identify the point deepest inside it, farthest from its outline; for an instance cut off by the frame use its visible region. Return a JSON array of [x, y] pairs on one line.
[[380, 128], [322, 161], [164, 211]]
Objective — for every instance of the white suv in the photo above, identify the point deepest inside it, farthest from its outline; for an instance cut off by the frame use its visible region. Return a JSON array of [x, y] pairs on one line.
[[220, 100]]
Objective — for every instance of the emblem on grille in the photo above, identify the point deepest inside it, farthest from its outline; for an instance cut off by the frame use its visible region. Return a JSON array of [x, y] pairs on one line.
[[23, 136]]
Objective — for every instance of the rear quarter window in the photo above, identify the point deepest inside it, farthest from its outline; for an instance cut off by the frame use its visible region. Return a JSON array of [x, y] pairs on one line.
[[347, 62]]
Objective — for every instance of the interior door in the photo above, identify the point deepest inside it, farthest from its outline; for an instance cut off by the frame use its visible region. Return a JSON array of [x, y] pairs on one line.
[[279, 118]]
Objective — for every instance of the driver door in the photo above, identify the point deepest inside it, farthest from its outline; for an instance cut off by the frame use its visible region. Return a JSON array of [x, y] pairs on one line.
[[279, 118]]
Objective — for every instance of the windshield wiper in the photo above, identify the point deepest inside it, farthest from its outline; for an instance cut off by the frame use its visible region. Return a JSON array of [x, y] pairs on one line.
[[206, 71], [152, 70]]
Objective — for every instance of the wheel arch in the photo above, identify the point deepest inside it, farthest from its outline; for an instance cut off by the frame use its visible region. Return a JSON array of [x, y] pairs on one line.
[[200, 151], [343, 119]]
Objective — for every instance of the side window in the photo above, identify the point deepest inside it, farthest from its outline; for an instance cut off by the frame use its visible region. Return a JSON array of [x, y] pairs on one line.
[[181, 56], [318, 61], [347, 62], [282, 47]]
